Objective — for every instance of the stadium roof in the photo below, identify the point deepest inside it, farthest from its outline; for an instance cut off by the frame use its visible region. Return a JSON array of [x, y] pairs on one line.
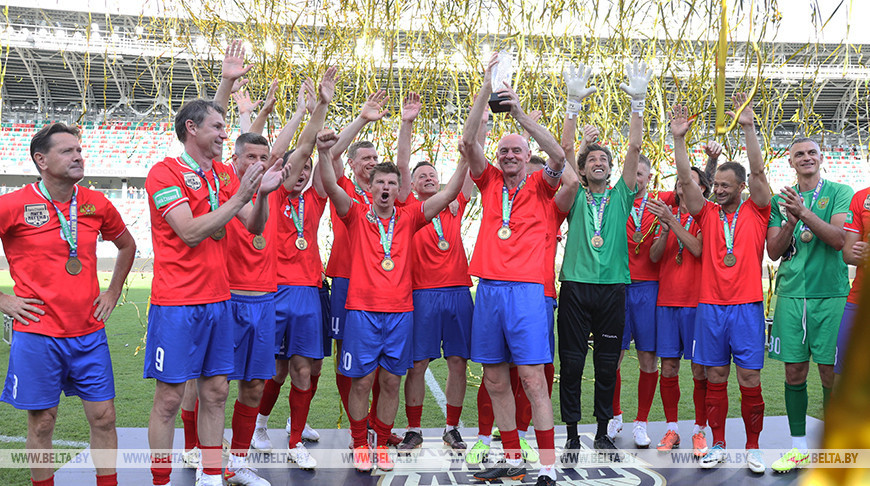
[[144, 77]]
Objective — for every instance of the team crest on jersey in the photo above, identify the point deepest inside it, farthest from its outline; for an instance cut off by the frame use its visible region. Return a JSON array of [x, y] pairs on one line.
[[867, 203], [36, 214], [823, 202], [192, 181], [224, 178], [87, 209], [370, 216]]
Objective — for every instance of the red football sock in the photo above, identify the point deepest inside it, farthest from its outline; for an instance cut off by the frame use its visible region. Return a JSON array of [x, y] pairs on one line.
[[106, 480], [415, 414], [485, 418], [670, 392], [752, 409], [550, 374], [515, 379], [376, 395], [343, 384], [314, 380], [717, 409], [617, 409], [453, 414], [46, 482], [359, 432], [271, 391], [510, 441], [381, 429], [188, 420], [211, 459], [699, 396], [547, 446], [161, 468], [523, 408], [300, 404], [196, 420], [646, 392], [243, 423]]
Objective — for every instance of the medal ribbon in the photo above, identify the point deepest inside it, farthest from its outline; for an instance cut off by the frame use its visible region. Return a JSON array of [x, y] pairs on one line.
[[212, 193], [298, 219], [359, 190], [436, 222], [729, 230], [507, 203], [387, 237], [686, 226], [812, 202], [68, 228], [598, 218], [637, 214]]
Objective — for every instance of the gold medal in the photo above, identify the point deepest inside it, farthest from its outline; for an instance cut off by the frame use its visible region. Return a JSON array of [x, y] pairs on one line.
[[301, 243], [387, 264], [73, 266], [219, 234], [259, 242], [637, 237], [597, 241], [730, 260], [806, 236], [679, 259], [504, 233], [443, 245]]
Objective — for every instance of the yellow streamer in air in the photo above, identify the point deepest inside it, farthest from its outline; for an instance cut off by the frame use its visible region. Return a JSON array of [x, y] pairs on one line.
[[721, 58]]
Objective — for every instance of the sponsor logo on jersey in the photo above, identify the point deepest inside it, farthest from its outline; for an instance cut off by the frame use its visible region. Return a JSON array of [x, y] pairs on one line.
[[823, 202], [87, 209], [36, 214], [192, 181]]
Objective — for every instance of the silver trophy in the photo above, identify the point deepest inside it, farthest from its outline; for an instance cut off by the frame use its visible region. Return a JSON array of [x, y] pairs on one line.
[[501, 74]]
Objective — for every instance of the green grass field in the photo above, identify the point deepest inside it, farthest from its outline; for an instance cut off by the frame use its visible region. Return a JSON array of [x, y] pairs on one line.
[[126, 328]]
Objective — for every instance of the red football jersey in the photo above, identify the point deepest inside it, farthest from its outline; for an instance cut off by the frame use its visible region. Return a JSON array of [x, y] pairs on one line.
[[519, 258], [250, 268], [185, 275], [639, 264], [556, 218], [680, 282], [740, 284], [371, 287], [859, 223], [433, 268], [295, 266], [37, 255], [340, 255]]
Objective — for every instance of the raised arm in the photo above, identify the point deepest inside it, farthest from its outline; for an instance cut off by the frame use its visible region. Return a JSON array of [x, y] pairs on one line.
[[372, 110], [759, 190], [535, 115], [410, 110], [556, 162], [472, 149], [575, 84], [638, 79], [260, 122], [233, 68], [713, 151], [326, 139], [568, 192], [246, 109], [691, 190], [308, 137], [435, 204]]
